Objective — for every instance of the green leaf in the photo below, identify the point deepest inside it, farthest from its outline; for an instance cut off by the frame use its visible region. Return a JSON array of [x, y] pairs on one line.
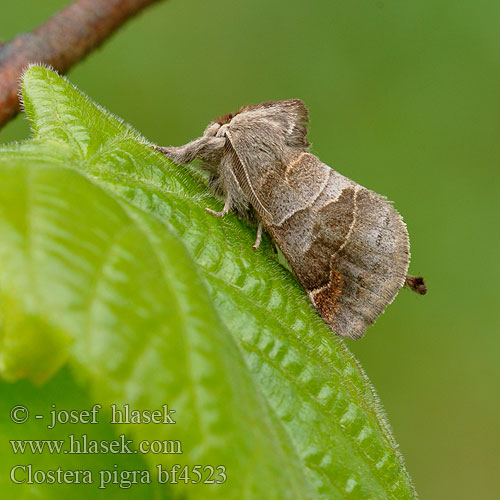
[[111, 264], [65, 393]]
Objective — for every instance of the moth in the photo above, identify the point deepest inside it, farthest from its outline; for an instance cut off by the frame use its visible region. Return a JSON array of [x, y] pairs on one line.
[[347, 245]]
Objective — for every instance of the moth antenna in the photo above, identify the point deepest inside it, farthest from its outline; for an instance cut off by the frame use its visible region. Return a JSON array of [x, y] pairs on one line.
[[417, 284]]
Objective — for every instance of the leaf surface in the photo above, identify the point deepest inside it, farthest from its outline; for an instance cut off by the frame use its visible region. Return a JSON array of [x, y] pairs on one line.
[[111, 265]]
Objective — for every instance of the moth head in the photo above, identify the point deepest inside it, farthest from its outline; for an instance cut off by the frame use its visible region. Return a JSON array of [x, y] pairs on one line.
[[212, 129]]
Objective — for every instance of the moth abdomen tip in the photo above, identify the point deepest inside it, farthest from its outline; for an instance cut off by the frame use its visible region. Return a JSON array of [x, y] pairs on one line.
[[417, 284]]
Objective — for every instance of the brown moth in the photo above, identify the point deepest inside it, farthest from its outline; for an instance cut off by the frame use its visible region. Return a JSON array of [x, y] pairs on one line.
[[347, 245]]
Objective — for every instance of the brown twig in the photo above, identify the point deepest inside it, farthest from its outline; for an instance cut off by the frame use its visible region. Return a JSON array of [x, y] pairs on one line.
[[62, 41]]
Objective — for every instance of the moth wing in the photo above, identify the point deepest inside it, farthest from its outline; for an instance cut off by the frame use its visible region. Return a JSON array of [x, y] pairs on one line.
[[349, 247], [265, 182], [263, 141], [289, 116]]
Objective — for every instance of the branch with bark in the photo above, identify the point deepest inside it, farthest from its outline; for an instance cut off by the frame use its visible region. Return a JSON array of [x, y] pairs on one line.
[[62, 41]]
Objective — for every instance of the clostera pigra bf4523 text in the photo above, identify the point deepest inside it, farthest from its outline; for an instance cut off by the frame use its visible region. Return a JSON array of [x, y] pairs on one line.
[[347, 245]]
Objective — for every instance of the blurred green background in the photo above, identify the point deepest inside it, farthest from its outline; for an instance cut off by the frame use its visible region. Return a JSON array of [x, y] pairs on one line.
[[404, 99]]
